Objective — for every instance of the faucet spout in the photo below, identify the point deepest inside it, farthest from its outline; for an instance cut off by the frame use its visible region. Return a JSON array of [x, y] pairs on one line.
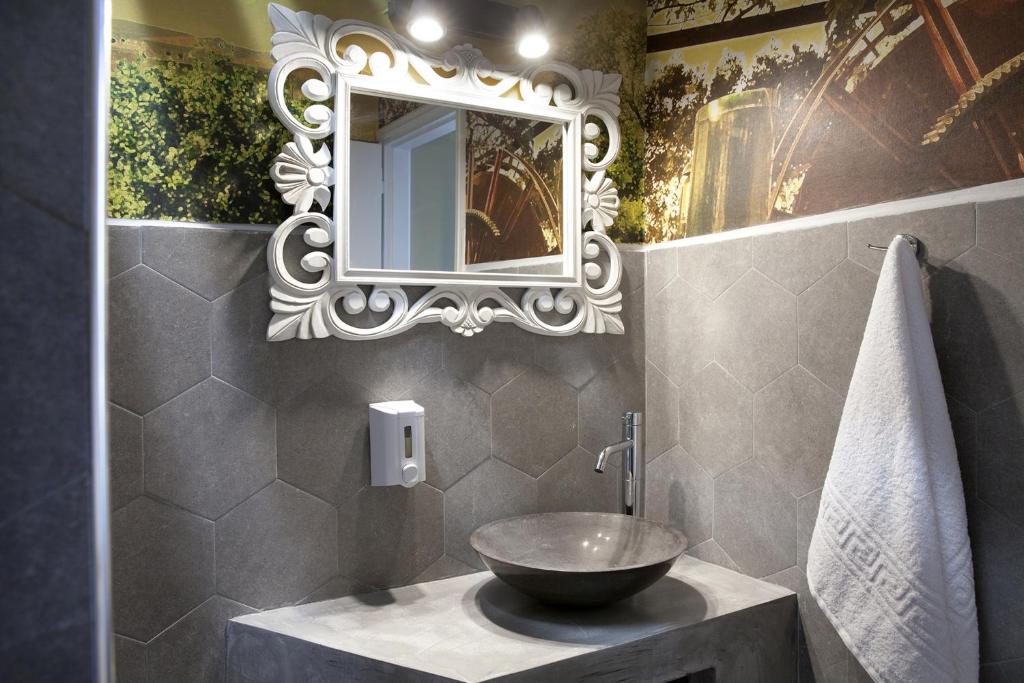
[[633, 463], [602, 457]]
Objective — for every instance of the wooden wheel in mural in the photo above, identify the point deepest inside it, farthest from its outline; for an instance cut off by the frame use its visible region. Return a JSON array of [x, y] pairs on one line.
[[880, 115], [507, 200]]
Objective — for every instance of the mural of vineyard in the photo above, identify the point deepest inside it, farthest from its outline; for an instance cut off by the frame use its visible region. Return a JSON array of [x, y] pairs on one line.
[[761, 110], [191, 134]]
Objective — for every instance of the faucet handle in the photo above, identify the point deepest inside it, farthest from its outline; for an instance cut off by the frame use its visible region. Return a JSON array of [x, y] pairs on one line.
[[632, 418]]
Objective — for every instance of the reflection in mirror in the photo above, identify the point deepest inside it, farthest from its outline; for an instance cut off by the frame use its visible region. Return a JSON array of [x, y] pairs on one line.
[[436, 188]]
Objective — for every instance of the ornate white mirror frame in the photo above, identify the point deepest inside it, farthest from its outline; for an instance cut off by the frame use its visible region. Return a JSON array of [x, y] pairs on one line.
[[326, 300]]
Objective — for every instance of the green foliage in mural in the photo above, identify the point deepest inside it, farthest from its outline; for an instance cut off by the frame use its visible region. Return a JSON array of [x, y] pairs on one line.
[[192, 141], [613, 41]]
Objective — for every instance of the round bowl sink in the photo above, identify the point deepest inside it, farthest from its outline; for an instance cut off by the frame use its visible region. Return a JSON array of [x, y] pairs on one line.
[[579, 559]]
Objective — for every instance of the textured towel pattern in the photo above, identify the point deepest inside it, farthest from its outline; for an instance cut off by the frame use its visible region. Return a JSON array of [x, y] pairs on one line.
[[890, 560]]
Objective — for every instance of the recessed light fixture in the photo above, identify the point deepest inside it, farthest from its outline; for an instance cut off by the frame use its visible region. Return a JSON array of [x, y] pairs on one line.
[[425, 22], [426, 29], [531, 36], [533, 45]]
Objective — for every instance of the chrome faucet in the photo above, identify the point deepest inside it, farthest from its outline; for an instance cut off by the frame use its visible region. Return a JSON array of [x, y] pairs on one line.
[[634, 466]]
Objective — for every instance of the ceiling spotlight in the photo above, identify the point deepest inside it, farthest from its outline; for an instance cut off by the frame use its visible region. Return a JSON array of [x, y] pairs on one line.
[[531, 36], [424, 22], [533, 45]]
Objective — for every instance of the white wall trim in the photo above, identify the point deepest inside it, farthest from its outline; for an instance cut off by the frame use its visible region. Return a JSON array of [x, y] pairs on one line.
[[980, 194]]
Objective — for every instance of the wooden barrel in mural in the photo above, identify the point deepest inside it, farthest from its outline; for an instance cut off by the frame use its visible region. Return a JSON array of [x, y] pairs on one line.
[[732, 161]]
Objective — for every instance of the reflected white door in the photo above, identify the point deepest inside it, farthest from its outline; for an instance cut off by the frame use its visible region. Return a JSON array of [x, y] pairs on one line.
[[366, 192]]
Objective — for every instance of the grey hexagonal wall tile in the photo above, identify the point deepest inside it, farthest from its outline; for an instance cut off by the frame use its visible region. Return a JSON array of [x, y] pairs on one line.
[[755, 520], [457, 426], [389, 534], [965, 435], [822, 652], [125, 456], [603, 402], [716, 420], [130, 660], [159, 339], [681, 494], [241, 353], [193, 649], [577, 359], [389, 367], [662, 419], [978, 324], [999, 228], [754, 328], [806, 517], [300, 364], [210, 262], [323, 439], [492, 491], [442, 568], [832, 313], [163, 566], [998, 546], [945, 233], [678, 335], [795, 422], [996, 672], [796, 259], [124, 248], [492, 359], [1001, 458], [337, 587], [634, 268], [713, 267], [535, 421], [709, 551], [210, 448], [572, 485], [662, 268], [276, 547]]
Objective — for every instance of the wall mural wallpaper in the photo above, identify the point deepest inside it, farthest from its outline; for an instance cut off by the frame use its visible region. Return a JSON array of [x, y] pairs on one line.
[[754, 110], [188, 84], [761, 110]]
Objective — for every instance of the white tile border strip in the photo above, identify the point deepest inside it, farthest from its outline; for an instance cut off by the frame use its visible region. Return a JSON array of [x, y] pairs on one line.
[[147, 223], [980, 194]]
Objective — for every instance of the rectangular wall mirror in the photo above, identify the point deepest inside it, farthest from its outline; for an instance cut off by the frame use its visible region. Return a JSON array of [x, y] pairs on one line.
[[452, 190]]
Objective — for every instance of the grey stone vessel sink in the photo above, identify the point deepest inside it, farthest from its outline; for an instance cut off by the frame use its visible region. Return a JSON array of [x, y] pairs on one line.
[[578, 559]]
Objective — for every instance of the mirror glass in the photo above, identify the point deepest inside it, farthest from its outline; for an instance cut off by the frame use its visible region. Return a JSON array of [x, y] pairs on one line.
[[444, 189]]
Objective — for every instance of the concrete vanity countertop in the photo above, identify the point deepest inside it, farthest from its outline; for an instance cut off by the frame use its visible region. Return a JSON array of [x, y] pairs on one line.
[[474, 628]]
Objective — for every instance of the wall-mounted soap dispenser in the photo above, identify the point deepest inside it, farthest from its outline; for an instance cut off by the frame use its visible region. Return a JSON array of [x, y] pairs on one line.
[[396, 444]]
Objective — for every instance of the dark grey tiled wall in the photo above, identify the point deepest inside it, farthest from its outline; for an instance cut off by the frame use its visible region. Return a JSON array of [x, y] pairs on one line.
[[241, 467], [751, 344], [45, 488]]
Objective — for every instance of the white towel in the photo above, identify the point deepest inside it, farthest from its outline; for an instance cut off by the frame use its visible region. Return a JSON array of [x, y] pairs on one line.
[[890, 561]]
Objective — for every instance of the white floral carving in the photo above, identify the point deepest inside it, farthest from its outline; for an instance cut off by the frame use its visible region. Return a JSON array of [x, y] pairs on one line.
[[307, 301], [600, 202], [303, 175]]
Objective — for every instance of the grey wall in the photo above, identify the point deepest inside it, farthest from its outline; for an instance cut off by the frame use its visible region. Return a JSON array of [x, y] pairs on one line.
[[240, 468], [751, 344], [45, 487]]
